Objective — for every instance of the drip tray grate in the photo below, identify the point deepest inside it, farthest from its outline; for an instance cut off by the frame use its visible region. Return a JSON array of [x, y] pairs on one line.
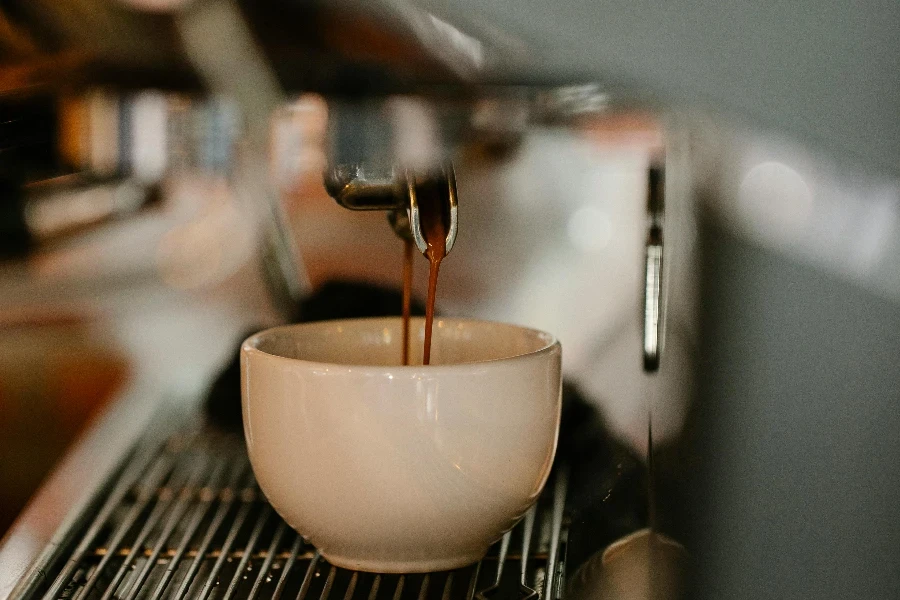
[[187, 521]]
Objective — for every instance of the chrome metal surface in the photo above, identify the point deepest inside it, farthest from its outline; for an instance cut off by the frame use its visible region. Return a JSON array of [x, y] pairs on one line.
[[527, 530], [653, 271], [353, 188], [184, 519], [652, 302], [448, 178], [554, 573], [504, 552], [31, 553]]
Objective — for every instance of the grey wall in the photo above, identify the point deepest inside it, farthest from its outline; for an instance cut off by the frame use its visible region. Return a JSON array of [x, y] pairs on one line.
[[799, 432], [824, 71]]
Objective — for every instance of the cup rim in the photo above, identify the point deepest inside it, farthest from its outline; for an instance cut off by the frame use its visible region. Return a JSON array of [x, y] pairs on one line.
[[248, 346]]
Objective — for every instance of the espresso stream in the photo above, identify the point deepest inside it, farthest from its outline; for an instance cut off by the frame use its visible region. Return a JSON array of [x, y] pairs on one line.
[[435, 220]]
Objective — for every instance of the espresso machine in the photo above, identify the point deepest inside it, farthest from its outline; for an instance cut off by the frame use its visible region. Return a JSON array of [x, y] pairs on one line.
[[701, 201]]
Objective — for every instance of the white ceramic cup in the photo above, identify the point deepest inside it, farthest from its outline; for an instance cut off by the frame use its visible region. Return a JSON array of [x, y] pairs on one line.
[[395, 468]]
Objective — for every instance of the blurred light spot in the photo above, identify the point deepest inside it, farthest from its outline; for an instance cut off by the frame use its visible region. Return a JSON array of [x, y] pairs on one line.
[[465, 44], [205, 250], [158, 6], [417, 138], [776, 197], [590, 229], [876, 232], [103, 132], [577, 99], [298, 136]]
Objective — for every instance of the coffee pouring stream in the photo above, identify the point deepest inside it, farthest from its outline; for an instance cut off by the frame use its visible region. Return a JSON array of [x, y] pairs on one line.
[[423, 206], [422, 211]]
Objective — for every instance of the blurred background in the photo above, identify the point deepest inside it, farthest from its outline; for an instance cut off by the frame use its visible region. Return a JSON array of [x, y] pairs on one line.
[[162, 193], [140, 266]]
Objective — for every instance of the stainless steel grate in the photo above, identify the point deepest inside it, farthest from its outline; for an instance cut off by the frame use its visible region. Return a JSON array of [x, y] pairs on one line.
[[187, 521]]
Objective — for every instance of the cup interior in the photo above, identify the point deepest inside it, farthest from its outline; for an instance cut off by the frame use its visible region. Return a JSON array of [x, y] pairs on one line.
[[377, 342]]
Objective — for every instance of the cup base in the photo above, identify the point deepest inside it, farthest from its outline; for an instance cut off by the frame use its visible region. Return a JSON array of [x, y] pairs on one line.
[[400, 567]]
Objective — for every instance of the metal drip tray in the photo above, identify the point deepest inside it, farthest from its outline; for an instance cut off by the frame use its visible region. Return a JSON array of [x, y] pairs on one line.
[[186, 520]]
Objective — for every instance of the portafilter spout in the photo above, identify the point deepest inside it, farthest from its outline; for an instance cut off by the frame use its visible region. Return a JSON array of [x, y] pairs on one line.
[[353, 188], [388, 155]]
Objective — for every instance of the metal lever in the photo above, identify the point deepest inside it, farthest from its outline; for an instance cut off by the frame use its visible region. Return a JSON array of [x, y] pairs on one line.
[[528, 592], [653, 270]]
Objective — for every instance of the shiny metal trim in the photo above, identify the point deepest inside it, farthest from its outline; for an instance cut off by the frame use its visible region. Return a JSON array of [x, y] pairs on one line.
[[118, 447], [448, 175], [501, 561], [187, 486], [205, 502], [228, 501], [247, 499], [653, 270], [247, 551], [288, 566], [527, 530], [146, 494], [270, 558], [307, 578], [163, 515], [560, 488], [355, 190], [653, 265]]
